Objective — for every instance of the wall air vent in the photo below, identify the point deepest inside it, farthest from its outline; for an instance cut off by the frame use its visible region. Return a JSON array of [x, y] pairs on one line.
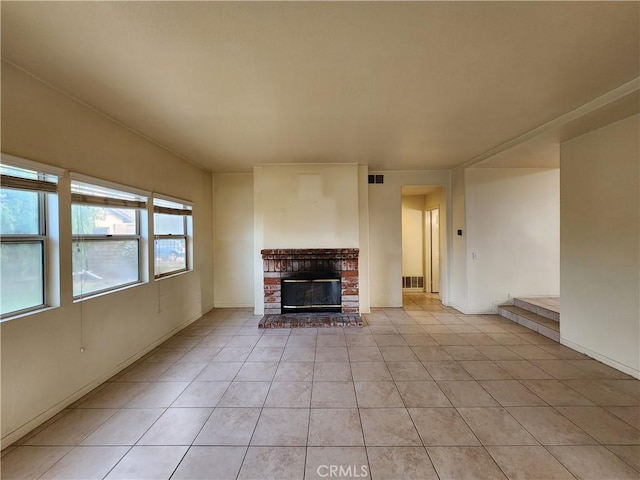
[[412, 282], [376, 178]]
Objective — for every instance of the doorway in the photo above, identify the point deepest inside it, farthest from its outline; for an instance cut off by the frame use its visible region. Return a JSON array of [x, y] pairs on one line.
[[423, 238]]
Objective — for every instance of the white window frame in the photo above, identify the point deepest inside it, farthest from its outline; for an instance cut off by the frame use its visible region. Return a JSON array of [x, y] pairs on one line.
[[139, 204], [46, 186], [182, 208]]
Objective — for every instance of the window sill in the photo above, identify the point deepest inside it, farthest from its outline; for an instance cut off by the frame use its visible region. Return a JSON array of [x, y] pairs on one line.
[[172, 275], [107, 292], [18, 316]]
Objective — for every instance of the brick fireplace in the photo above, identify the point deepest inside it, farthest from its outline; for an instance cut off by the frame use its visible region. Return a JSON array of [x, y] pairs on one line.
[[292, 263]]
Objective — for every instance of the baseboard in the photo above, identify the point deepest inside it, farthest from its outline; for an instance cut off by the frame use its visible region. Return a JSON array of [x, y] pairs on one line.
[[474, 311], [234, 305], [459, 308], [484, 311], [24, 429], [601, 358]]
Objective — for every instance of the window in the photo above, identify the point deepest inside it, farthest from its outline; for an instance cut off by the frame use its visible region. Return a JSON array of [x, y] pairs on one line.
[[105, 225], [23, 237], [171, 227]]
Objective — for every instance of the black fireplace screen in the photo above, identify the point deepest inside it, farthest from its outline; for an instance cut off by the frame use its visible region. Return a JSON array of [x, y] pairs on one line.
[[311, 295]]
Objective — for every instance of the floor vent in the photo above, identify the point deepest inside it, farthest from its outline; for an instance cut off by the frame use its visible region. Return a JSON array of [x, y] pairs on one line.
[[412, 282]]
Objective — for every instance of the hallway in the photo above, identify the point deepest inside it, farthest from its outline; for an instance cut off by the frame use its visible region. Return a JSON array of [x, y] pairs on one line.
[[419, 392]]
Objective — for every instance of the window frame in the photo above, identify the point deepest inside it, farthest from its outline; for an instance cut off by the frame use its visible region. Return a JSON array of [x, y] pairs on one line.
[[45, 185], [106, 238], [177, 208]]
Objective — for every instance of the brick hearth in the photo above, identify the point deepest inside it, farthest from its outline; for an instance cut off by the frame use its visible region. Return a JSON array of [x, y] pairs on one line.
[[291, 262]]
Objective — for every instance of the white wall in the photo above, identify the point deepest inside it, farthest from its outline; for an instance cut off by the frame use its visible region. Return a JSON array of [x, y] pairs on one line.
[[43, 369], [385, 233], [600, 244], [435, 199], [458, 242], [363, 262], [310, 206], [412, 235], [513, 227], [234, 237], [306, 206]]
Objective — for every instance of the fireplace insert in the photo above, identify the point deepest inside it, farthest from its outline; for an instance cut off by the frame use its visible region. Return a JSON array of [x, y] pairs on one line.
[[311, 295]]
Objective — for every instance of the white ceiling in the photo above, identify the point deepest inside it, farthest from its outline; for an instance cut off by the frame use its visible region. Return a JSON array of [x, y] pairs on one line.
[[393, 85], [542, 150]]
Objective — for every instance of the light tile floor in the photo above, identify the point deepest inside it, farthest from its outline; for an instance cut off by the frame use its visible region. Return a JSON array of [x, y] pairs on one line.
[[421, 392]]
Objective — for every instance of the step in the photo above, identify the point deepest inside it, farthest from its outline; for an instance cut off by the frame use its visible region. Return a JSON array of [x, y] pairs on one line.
[[548, 307], [532, 321]]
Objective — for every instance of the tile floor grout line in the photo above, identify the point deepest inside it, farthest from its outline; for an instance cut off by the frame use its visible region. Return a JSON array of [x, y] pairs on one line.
[[621, 458], [424, 447], [401, 327], [364, 443], [578, 426], [558, 459], [165, 411], [255, 427], [116, 464], [179, 462]]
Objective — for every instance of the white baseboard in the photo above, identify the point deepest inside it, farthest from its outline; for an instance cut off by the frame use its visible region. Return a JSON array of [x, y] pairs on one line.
[[397, 305], [601, 358], [234, 305], [460, 308], [474, 310], [24, 429], [482, 311]]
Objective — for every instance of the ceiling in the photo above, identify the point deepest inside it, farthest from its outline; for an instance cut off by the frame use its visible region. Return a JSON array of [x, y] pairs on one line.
[[393, 85]]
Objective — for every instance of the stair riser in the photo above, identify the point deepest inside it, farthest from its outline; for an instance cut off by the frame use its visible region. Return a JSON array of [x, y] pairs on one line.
[[543, 312], [549, 333], [533, 326], [508, 315]]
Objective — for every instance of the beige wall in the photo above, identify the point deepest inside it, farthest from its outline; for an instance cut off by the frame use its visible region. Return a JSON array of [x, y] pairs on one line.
[[385, 233], [600, 244], [306, 206], [412, 235], [458, 242], [43, 369], [365, 258], [513, 227], [436, 199], [234, 237], [310, 206]]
